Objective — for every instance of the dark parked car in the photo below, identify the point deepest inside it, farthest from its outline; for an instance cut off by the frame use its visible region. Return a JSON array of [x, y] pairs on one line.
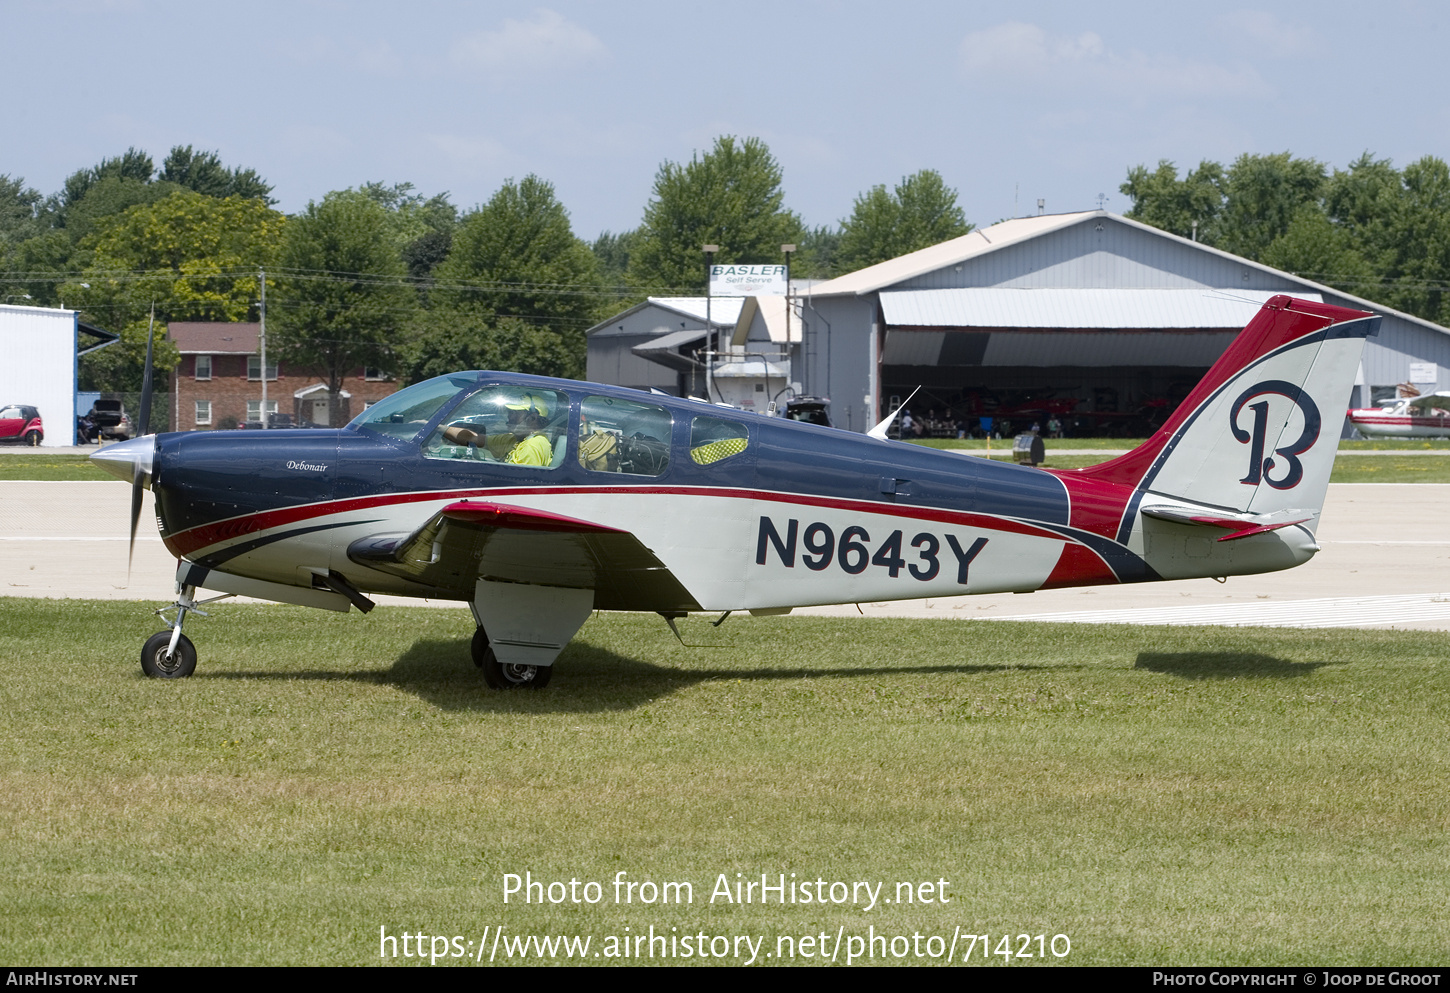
[[812, 410], [110, 420], [274, 422], [21, 424]]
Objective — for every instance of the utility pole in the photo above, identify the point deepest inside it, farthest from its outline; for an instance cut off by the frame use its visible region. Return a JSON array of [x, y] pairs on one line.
[[710, 251], [262, 339], [786, 250]]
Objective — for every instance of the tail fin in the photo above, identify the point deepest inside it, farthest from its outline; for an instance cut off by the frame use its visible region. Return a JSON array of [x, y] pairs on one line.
[[1256, 438]]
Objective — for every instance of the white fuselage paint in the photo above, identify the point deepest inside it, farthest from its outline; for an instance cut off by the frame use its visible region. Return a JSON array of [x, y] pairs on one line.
[[711, 543]]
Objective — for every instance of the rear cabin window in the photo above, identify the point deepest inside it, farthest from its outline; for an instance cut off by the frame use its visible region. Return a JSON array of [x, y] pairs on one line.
[[714, 440], [624, 436], [512, 425]]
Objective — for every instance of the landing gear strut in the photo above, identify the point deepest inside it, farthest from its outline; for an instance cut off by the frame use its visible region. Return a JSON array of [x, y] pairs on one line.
[[170, 654]]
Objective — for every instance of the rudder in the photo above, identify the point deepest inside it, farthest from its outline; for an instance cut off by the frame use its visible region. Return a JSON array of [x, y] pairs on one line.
[[1258, 435]]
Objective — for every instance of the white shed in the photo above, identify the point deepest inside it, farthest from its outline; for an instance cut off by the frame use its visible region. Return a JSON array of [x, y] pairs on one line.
[[39, 367]]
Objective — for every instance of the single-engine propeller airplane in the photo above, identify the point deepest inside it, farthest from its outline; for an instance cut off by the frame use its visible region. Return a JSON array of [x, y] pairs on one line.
[[1416, 416], [537, 501]]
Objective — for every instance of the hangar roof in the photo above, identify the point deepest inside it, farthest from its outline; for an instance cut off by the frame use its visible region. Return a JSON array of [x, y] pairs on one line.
[[724, 313], [723, 310], [973, 243], [984, 241], [1003, 307]]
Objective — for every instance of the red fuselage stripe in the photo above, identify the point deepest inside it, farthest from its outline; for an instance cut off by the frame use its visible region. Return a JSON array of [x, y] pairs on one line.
[[206, 535]]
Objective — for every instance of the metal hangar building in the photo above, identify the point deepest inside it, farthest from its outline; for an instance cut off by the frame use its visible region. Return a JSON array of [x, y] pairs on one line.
[[1099, 314], [1101, 321]]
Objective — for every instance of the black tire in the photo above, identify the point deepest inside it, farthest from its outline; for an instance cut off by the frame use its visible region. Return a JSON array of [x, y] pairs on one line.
[[506, 677], [155, 664], [33, 439]]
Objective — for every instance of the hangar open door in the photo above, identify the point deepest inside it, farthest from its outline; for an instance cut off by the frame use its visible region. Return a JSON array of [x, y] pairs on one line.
[[1100, 363]]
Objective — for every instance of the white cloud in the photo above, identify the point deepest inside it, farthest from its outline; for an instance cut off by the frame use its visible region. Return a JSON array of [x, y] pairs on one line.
[[1018, 48], [1267, 32], [546, 41], [1015, 52]]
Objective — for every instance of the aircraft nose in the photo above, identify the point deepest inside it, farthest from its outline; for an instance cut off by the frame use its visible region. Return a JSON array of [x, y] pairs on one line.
[[124, 458]]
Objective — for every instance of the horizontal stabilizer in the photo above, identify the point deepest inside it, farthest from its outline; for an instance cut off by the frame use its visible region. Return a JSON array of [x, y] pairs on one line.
[[1238, 525]]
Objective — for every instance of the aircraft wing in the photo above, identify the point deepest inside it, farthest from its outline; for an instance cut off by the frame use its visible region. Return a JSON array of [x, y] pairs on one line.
[[472, 540]]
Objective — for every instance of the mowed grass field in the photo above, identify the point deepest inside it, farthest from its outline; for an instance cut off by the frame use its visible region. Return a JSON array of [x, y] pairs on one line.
[[1160, 796]]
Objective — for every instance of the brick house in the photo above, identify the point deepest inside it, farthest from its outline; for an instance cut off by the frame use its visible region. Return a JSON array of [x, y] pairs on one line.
[[219, 381]]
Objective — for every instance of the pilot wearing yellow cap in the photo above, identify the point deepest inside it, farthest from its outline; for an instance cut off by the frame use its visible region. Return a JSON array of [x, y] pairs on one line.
[[526, 419]]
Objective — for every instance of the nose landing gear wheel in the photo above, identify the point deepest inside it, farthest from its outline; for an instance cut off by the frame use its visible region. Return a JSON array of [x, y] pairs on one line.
[[499, 676], [155, 664]]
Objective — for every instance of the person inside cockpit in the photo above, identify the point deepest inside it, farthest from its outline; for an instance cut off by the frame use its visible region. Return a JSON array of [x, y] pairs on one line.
[[526, 442]]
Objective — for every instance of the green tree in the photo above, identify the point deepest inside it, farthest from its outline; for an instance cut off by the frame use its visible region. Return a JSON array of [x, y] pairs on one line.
[[731, 196], [819, 256], [921, 211], [41, 264], [195, 257], [611, 252], [1315, 248], [108, 197], [420, 227], [343, 294], [20, 208], [204, 173], [1262, 196], [191, 257], [1241, 209], [446, 340], [1417, 266], [1370, 229], [517, 257], [1363, 200], [121, 368], [1183, 206], [133, 164]]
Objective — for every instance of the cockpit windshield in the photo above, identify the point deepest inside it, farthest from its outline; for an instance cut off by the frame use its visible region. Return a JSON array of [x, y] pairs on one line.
[[404, 414]]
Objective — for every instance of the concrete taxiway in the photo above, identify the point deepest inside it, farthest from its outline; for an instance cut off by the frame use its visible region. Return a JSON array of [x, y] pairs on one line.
[[1385, 564]]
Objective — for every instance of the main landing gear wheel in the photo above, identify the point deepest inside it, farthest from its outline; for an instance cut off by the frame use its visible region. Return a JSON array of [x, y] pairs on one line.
[[155, 663], [499, 676]]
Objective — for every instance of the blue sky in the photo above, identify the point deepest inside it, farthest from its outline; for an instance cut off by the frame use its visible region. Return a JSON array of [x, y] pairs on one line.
[[1011, 102]]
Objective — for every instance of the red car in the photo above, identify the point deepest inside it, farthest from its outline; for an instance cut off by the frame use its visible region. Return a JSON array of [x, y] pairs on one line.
[[19, 423]]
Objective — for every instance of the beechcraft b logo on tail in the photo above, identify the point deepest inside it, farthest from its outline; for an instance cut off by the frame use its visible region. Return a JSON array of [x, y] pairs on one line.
[[1256, 436]]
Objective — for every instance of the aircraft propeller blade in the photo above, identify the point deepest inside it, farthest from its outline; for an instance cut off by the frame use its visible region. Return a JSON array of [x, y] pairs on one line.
[[136, 487], [145, 422], [144, 428]]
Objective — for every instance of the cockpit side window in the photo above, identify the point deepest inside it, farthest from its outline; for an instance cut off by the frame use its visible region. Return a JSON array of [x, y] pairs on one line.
[[512, 425], [715, 440], [624, 436], [407, 412]]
